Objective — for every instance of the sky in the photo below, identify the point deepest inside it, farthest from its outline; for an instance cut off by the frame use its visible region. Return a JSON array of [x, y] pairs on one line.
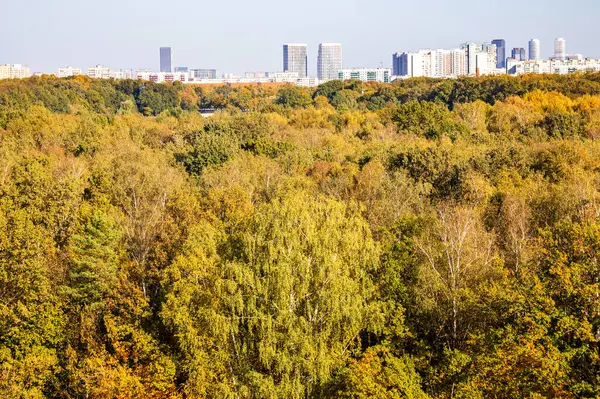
[[236, 36]]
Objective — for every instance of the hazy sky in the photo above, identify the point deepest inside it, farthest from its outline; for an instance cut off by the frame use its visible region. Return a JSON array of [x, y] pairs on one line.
[[241, 35]]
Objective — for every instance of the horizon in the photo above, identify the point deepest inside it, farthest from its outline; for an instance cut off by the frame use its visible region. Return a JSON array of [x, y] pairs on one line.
[[46, 37]]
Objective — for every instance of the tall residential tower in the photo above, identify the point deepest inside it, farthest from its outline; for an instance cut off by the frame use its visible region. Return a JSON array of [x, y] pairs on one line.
[[166, 62], [534, 49], [560, 49], [329, 62], [295, 59]]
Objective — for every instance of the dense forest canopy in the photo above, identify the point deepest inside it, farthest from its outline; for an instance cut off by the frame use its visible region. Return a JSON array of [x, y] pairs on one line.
[[421, 239]]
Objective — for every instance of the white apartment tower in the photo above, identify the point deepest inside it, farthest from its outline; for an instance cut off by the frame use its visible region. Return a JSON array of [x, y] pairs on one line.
[[534, 49], [492, 54], [560, 49], [69, 71], [14, 71], [329, 62], [295, 59], [99, 72]]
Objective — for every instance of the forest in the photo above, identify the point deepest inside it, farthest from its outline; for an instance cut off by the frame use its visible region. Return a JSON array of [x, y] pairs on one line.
[[420, 239]]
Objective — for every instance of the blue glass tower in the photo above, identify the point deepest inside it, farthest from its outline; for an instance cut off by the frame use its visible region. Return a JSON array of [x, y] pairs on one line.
[[500, 52]]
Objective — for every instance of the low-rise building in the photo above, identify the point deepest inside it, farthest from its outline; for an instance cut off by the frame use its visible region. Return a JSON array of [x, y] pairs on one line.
[[283, 77], [159, 77], [203, 73], [366, 74], [554, 65]]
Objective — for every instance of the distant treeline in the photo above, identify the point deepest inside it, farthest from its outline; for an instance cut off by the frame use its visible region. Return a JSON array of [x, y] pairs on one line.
[[114, 96]]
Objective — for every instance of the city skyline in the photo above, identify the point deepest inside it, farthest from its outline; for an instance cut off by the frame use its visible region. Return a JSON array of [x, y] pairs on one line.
[[47, 37], [301, 65]]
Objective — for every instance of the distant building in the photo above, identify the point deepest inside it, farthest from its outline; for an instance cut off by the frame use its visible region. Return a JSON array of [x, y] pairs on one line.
[[159, 77], [555, 66], [430, 63], [203, 73], [329, 61], [183, 69], [166, 61], [471, 50], [518, 53], [560, 49], [492, 56], [283, 77], [99, 72], [68, 71], [308, 82], [14, 71], [500, 53], [534, 50], [295, 59], [396, 64], [481, 63], [255, 75], [102, 72], [408, 64], [577, 57], [366, 74]]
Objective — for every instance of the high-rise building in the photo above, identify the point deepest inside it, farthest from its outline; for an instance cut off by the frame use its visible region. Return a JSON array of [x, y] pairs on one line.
[[396, 63], [166, 61], [431, 63], [295, 59], [329, 61], [500, 53], [408, 64], [534, 49], [560, 49], [471, 50], [492, 55], [481, 63], [518, 53]]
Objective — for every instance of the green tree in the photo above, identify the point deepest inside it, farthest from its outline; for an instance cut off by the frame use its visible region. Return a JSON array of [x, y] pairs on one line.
[[293, 97], [276, 309]]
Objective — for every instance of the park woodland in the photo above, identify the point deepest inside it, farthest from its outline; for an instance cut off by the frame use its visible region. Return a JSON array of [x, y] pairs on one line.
[[426, 238]]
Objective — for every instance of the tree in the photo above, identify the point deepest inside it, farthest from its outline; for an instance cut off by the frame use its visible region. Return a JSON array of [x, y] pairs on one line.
[[279, 306], [293, 97], [380, 375], [458, 255]]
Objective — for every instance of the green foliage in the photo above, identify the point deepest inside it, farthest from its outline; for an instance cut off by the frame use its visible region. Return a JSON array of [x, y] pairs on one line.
[[427, 119], [208, 150], [296, 279], [379, 374], [93, 273], [293, 97], [153, 99], [329, 89], [426, 238]]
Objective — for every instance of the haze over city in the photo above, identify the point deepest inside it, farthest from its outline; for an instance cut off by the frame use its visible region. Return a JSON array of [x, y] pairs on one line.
[[242, 36]]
